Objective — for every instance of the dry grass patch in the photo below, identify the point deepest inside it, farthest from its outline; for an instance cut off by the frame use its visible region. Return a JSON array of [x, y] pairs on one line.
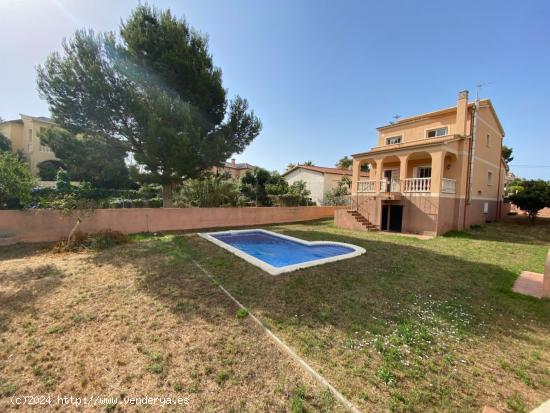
[[137, 320]]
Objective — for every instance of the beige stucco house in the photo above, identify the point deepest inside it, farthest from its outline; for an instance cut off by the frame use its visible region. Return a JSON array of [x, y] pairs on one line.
[[23, 134], [319, 180], [431, 173], [234, 169]]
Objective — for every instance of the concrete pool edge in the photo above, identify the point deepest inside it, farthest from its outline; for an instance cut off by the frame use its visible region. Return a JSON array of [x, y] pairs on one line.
[[357, 251]]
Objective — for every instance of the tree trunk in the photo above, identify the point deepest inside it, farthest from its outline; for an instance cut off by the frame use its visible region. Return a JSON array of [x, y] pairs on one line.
[[167, 192], [73, 231]]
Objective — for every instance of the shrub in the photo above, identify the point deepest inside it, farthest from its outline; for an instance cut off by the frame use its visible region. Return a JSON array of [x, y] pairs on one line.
[[531, 196], [241, 313], [211, 191], [16, 182], [98, 241], [135, 203]]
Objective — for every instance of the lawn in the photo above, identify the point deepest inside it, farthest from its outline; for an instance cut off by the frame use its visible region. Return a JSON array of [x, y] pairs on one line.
[[136, 320], [412, 325]]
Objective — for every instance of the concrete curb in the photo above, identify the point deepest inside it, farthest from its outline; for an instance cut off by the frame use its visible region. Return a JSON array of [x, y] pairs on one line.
[[320, 379]]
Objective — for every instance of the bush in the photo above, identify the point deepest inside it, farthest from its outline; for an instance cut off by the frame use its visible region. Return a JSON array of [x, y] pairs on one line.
[[16, 182], [531, 196], [211, 191], [135, 203], [98, 241]]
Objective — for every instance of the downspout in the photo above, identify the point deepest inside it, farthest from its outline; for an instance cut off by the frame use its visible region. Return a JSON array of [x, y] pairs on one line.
[[499, 195], [471, 154], [472, 158]]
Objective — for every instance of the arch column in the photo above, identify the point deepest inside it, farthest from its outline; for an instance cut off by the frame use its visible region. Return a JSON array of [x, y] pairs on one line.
[[438, 165], [356, 173], [403, 167], [378, 174]]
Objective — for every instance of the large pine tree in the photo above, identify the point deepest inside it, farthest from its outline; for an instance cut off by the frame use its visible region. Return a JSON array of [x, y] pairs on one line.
[[155, 90]]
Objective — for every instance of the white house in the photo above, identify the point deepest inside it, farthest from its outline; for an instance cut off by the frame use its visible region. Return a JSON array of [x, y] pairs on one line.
[[319, 180]]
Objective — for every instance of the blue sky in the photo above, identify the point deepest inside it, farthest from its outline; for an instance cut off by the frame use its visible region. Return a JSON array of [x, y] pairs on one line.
[[322, 75]]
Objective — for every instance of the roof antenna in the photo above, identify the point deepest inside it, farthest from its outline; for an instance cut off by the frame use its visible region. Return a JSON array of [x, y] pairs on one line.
[[479, 86], [396, 117]]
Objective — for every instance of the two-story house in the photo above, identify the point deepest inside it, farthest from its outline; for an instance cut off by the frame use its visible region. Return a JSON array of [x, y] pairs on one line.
[[431, 173], [233, 169], [23, 135]]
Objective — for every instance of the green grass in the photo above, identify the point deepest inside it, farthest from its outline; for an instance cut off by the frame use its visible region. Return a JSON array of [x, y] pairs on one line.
[[412, 325], [241, 313]]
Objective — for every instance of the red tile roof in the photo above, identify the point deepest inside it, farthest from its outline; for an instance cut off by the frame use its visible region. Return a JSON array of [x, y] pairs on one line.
[[325, 170]]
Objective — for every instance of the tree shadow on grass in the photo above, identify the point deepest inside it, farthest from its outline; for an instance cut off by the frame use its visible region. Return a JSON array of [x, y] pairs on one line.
[[166, 272], [22, 250], [513, 229], [21, 288]]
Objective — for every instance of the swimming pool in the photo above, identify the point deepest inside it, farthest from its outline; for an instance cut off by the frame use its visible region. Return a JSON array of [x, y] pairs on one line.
[[277, 253]]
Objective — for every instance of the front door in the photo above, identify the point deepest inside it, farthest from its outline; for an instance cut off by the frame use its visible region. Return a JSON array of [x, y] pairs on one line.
[[396, 218], [392, 218], [385, 216], [390, 175]]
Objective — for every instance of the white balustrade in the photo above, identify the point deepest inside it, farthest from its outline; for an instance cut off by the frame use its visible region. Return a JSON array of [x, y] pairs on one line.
[[366, 186], [418, 185], [408, 185]]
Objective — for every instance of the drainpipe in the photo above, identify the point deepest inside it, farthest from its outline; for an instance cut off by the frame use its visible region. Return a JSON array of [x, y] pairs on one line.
[[471, 154], [499, 195]]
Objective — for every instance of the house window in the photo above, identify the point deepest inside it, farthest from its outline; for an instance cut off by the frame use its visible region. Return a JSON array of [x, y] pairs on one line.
[[394, 140], [489, 178], [436, 133], [30, 135], [424, 172], [488, 140], [486, 208]]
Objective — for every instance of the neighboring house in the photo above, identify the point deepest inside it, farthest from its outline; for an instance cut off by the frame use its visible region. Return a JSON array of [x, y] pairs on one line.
[[235, 170], [431, 173], [319, 180], [23, 134]]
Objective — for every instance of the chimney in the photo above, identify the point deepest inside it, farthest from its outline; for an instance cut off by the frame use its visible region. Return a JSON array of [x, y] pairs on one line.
[[462, 112], [233, 161]]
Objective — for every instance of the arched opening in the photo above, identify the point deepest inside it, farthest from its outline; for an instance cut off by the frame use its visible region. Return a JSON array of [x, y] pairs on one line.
[[419, 172], [390, 174], [47, 170], [451, 173]]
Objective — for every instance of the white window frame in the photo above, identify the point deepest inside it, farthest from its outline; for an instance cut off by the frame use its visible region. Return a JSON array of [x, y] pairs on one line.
[[400, 137], [416, 170], [446, 128]]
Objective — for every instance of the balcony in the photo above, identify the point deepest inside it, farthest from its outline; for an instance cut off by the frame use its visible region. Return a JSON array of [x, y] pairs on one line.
[[409, 185]]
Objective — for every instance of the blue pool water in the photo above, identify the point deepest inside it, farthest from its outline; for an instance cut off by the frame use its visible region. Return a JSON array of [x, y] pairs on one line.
[[278, 251]]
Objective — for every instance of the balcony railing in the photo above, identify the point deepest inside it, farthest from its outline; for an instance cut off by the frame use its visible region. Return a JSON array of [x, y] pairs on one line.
[[387, 185], [370, 185], [418, 185], [408, 185]]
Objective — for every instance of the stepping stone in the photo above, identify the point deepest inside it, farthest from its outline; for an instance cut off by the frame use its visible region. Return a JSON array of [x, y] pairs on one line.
[[529, 283]]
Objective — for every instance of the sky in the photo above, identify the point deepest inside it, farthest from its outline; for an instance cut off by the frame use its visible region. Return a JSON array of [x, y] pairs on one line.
[[323, 75]]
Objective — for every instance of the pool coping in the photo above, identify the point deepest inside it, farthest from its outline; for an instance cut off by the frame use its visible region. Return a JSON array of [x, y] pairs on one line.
[[270, 269]]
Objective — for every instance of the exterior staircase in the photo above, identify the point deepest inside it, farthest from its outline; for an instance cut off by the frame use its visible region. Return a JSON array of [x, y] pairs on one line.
[[369, 226]]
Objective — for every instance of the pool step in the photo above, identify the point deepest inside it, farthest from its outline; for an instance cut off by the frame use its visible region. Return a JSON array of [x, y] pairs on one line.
[[369, 226]]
